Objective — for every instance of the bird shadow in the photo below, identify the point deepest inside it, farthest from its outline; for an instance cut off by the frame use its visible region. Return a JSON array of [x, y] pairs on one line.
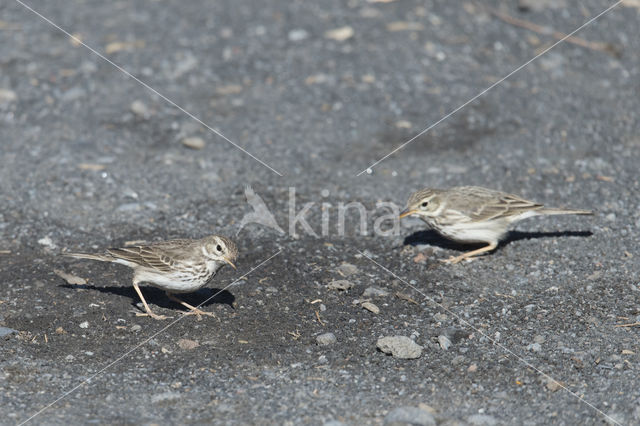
[[432, 238], [159, 298]]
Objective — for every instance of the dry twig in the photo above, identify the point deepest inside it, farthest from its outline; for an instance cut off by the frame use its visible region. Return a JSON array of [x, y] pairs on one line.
[[539, 29]]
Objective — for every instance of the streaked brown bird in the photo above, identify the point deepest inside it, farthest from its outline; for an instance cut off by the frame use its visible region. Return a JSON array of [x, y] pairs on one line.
[[175, 266], [471, 214]]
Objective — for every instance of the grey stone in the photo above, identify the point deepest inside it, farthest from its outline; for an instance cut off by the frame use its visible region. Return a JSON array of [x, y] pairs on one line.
[[347, 269], [534, 347], [7, 95], [445, 342], [400, 347], [341, 285], [539, 5], [482, 420], [73, 94], [193, 142], [5, 331], [409, 416], [165, 397], [371, 307], [326, 339], [375, 292], [139, 109], [298, 35]]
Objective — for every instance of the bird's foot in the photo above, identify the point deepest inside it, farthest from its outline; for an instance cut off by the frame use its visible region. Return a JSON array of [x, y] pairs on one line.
[[198, 313], [456, 259], [152, 315]]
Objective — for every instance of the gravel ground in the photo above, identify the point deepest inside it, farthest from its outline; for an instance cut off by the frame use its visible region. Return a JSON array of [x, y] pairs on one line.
[[319, 91]]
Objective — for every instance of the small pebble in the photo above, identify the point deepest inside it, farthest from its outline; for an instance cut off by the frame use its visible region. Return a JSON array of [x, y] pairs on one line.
[[7, 95], [193, 142], [229, 89], [375, 292], [298, 35], [540, 5], [135, 328], [187, 344], [326, 339], [73, 94], [371, 307], [84, 324], [340, 285], [440, 317], [420, 258], [165, 396], [340, 34], [553, 385], [334, 423], [482, 420], [399, 347], [5, 331], [458, 360], [139, 109], [444, 341], [69, 278], [347, 269], [409, 416], [47, 242], [534, 347]]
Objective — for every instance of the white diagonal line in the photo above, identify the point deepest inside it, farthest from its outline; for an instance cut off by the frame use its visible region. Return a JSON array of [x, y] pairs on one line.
[[495, 342], [368, 169], [127, 353], [128, 74]]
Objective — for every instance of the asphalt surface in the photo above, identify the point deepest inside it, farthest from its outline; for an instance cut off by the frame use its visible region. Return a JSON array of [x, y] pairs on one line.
[[91, 159]]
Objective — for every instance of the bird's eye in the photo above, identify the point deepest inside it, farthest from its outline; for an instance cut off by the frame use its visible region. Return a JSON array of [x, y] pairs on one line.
[[424, 204], [219, 247]]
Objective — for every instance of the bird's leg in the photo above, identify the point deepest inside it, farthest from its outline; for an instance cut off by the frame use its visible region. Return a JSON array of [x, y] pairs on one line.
[[192, 309], [148, 312], [470, 254]]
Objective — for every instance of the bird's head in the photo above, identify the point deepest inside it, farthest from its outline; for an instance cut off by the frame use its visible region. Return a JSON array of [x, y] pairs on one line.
[[220, 249], [423, 203]]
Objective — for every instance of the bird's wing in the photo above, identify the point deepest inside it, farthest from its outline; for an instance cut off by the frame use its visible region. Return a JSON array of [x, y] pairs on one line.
[[482, 204], [503, 206], [161, 256]]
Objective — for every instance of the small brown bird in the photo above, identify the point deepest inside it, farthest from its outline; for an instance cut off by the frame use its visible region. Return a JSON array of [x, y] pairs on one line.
[[471, 214], [176, 266]]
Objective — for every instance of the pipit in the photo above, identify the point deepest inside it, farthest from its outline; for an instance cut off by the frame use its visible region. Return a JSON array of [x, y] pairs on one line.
[[471, 214], [175, 266]]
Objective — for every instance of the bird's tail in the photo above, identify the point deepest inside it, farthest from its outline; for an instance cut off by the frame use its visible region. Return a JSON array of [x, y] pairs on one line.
[[100, 257], [549, 211]]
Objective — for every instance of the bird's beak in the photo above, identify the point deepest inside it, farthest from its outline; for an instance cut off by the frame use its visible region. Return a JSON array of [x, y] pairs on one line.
[[230, 263], [407, 212]]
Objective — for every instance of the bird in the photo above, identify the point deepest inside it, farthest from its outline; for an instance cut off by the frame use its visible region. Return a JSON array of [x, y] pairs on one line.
[[472, 214], [175, 266]]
